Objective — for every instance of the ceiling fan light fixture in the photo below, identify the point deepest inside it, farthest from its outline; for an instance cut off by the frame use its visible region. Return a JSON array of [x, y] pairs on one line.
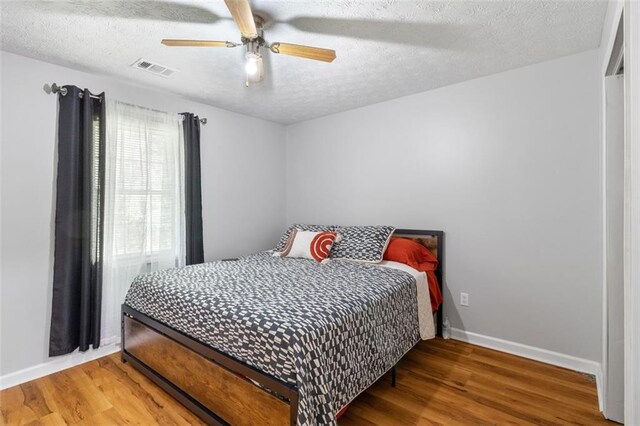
[[251, 64], [252, 36], [254, 68]]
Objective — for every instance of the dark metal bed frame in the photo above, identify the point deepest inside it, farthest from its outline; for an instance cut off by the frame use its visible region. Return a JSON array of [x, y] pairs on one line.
[[149, 344]]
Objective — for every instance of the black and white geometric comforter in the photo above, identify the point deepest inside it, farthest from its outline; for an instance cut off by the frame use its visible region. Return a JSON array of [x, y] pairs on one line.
[[331, 329]]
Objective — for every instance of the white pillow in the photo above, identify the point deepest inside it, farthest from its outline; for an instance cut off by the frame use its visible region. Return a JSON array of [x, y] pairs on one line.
[[309, 245]]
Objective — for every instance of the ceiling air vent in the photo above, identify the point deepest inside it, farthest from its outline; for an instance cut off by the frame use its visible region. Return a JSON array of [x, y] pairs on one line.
[[153, 68]]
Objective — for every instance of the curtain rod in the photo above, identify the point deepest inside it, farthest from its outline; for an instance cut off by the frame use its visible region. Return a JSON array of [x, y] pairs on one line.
[[63, 91]]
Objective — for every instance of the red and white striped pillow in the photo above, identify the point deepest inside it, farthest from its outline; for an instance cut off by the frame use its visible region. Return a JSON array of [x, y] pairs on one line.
[[309, 245]]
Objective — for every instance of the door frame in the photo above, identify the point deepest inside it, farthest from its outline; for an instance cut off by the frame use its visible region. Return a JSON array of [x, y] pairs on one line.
[[612, 387], [612, 21], [632, 201], [632, 211]]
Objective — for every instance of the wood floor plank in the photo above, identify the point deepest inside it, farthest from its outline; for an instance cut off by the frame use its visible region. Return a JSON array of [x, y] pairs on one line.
[[150, 400], [528, 366], [51, 419], [109, 417], [565, 392], [432, 411], [468, 406], [13, 408], [536, 370], [439, 382], [123, 393], [570, 391], [34, 399]]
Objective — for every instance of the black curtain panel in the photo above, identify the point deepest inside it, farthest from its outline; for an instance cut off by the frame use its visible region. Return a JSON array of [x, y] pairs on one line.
[[77, 271], [193, 189]]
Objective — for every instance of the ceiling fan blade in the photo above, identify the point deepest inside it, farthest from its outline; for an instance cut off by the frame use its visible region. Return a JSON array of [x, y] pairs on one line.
[[243, 17], [307, 52], [198, 43]]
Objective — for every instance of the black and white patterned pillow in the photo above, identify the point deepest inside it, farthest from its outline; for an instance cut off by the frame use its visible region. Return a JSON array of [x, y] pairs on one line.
[[362, 243], [315, 228]]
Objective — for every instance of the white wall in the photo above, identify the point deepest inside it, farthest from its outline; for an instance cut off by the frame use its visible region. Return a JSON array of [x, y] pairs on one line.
[[508, 165], [242, 179]]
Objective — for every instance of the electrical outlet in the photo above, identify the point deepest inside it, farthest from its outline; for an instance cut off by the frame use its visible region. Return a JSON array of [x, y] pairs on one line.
[[464, 299]]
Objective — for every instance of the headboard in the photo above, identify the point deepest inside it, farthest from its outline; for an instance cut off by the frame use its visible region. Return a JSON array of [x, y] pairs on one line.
[[434, 241]]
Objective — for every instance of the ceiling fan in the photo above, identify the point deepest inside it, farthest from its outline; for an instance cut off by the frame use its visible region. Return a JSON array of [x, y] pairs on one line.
[[250, 27]]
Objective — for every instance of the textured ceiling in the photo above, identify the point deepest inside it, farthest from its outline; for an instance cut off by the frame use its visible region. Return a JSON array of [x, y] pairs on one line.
[[385, 48]]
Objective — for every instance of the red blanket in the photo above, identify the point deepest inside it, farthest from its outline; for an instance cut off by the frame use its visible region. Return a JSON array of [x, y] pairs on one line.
[[418, 257]]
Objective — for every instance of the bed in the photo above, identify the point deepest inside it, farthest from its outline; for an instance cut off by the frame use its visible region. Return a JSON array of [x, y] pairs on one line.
[[266, 340]]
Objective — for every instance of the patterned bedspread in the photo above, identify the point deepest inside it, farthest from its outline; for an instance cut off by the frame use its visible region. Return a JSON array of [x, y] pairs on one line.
[[331, 329]]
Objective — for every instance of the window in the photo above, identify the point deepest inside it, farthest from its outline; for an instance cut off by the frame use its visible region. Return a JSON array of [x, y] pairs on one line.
[[146, 196], [144, 200]]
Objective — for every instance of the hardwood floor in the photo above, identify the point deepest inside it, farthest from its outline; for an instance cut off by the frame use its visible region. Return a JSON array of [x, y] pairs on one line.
[[439, 382]]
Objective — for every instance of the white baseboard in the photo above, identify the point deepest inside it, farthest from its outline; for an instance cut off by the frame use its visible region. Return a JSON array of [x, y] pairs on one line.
[[531, 352], [56, 364]]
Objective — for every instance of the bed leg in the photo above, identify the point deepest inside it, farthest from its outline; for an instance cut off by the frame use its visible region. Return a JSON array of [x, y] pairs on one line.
[[393, 376], [124, 361]]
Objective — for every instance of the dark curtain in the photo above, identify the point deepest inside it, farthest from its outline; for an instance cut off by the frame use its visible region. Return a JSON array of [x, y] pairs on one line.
[[193, 189], [77, 271]]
